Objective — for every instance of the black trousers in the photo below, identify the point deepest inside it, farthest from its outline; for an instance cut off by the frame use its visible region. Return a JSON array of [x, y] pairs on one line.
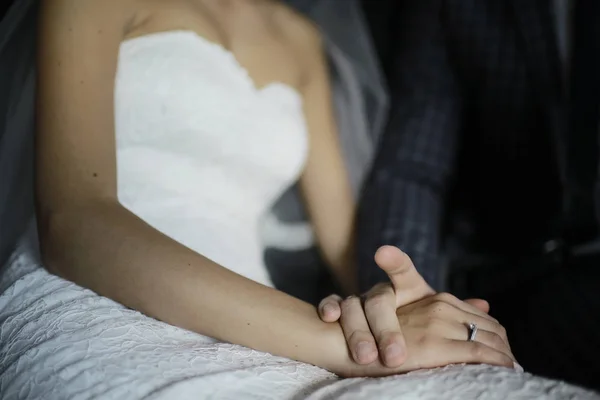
[[552, 315]]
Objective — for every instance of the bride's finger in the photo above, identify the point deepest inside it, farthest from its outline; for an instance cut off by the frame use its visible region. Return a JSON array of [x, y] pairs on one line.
[[489, 338], [462, 351], [330, 309], [456, 302], [449, 312], [495, 341], [480, 304], [487, 325]]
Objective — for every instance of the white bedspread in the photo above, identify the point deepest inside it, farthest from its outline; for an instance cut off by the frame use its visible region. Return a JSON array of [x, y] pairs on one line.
[[60, 341]]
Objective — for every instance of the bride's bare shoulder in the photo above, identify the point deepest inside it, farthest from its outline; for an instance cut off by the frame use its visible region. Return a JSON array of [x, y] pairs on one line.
[[299, 28], [305, 36], [64, 15]]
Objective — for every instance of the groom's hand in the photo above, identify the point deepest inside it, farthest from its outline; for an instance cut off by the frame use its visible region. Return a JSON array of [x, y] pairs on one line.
[[372, 323], [371, 326]]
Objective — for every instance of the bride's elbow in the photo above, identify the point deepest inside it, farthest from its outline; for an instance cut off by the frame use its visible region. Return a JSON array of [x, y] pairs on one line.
[[61, 231], [49, 233]]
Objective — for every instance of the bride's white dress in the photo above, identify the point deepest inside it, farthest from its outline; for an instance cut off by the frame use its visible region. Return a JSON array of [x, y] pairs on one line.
[[202, 153]]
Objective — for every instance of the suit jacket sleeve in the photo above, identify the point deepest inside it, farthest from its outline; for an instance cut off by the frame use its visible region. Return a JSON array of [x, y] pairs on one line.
[[404, 197]]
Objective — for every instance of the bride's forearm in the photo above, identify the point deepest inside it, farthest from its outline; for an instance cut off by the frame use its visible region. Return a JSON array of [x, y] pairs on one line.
[[106, 248]]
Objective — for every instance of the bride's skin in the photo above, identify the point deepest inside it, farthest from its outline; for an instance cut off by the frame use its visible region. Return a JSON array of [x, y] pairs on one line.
[[89, 238]]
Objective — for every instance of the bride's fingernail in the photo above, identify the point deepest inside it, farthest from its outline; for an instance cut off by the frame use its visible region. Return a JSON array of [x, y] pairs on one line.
[[364, 351], [393, 351], [518, 367]]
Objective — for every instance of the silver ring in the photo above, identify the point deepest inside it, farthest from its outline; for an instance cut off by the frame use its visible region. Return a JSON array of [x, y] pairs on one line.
[[472, 332]]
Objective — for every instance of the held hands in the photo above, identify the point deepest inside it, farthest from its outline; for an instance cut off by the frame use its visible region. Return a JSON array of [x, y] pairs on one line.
[[435, 336], [407, 326], [376, 321]]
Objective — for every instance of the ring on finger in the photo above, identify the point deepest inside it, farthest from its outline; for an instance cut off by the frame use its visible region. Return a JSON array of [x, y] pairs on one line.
[[472, 332]]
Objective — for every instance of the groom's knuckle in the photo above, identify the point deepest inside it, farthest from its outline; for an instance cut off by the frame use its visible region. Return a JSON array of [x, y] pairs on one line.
[[349, 303], [376, 302], [359, 336], [381, 288]]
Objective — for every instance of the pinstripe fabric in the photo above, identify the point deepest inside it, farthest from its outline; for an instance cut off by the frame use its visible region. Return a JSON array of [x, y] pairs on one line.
[[475, 78]]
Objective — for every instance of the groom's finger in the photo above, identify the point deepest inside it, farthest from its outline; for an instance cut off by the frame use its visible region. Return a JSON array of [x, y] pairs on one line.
[[408, 283], [330, 309], [380, 309], [357, 332]]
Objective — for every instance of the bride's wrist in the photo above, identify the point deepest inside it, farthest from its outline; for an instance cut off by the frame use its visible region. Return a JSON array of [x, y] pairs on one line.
[[336, 356]]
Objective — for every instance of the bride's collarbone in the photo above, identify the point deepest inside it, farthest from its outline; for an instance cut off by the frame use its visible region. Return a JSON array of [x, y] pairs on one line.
[[269, 54]]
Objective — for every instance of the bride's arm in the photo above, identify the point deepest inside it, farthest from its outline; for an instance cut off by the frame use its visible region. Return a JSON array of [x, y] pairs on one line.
[[89, 238], [325, 183]]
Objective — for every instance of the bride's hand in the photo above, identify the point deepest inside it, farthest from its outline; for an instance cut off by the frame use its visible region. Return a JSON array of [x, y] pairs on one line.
[[373, 321], [436, 332]]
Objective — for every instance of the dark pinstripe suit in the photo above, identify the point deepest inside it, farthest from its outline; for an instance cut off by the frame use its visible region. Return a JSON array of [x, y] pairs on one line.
[[471, 165], [475, 78]]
